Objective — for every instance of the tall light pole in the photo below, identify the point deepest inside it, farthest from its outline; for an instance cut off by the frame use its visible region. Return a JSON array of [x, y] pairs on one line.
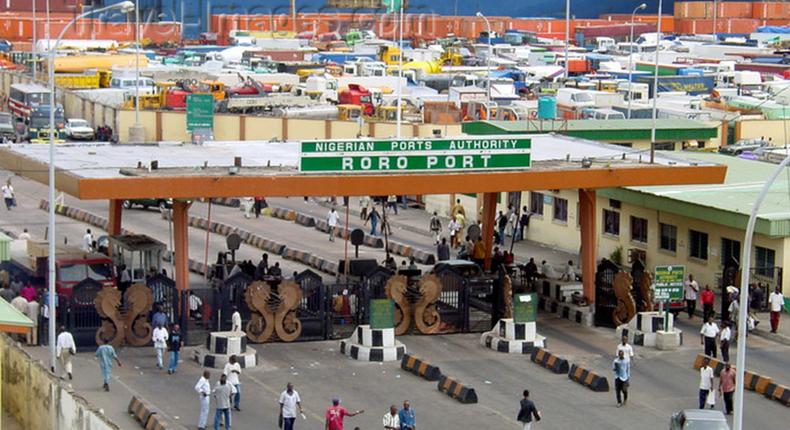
[[715, 18], [398, 113], [137, 64], [488, 65], [126, 6], [642, 6], [655, 88], [33, 56], [746, 258], [567, 33]]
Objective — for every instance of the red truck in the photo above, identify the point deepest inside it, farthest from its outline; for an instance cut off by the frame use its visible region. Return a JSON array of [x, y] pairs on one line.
[[357, 95]]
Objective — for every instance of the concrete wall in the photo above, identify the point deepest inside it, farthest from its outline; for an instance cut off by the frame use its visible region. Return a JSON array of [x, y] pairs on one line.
[[777, 130], [37, 400]]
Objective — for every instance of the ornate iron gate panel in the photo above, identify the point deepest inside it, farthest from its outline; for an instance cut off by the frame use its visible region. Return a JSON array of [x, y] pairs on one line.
[[313, 308], [81, 317], [166, 297], [605, 299]]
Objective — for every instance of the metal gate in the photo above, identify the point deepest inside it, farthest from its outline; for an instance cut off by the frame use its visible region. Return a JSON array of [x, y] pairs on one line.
[[637, 271], [605, 299], [313, 309], [453, 304], [230, 294], [80, 316], [166, 297]]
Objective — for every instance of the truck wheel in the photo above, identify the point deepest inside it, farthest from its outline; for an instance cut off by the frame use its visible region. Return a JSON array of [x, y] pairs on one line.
[[162, 205], [127, 204]]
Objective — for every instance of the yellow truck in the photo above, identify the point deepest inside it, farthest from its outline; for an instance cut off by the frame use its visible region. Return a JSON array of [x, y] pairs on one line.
[[91, 79]]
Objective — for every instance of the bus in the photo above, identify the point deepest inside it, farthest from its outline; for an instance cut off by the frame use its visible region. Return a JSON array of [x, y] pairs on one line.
[[37, 125], [23, 97]]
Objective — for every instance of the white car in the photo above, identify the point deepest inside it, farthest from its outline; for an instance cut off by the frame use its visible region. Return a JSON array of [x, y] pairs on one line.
[[79, 129]]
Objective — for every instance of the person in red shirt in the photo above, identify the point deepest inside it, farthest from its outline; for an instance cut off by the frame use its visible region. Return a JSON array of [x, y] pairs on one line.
[[707, 298], [335, 415]]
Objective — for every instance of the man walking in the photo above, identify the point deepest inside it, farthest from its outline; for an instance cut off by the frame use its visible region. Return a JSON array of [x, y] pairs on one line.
[[453, 229], [289, 400], [235, 320], [8, 195], [160, 337], [501, 225], [691, 290], [106, 354], [408, 421], [625, 348], [203, 388], [708, 335], [707, 297], [232, 371], [391, 419], [373, 217], [436, 227], [705, 383], [622, 373], [523, 223], [65, 349], [724, 341], [87, 241], [331, 220], [727, 386], [335, 415], [175, 344], [527, 412], [222, 395], [775, 304]]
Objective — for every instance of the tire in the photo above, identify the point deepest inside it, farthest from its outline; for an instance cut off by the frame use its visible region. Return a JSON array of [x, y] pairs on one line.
[[738, 152], [127, 204]]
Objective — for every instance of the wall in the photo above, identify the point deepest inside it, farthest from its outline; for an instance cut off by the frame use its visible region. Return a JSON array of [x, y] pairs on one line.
[[29, 391], [777, 130]]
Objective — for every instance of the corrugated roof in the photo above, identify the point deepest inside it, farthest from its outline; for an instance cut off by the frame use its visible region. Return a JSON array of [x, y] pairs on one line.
[[728, 204], [611, 124], [11, 317], [602, 130]]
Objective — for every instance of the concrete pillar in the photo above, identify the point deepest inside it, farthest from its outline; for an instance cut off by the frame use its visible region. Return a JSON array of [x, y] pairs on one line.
[[242, 127], [116, 215], [588, 239], [489, 216], [181, 244]]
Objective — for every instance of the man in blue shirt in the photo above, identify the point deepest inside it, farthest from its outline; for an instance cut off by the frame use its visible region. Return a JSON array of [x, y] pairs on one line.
[[622, 373], [407, 419]]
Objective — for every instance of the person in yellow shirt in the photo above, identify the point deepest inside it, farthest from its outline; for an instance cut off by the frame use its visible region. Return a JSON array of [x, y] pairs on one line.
[[479, 254]]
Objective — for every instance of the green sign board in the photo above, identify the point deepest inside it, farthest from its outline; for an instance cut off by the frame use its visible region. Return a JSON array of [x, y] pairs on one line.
[[669, 282], [525, 308], [200, 111], [414, 155], [382, 313]]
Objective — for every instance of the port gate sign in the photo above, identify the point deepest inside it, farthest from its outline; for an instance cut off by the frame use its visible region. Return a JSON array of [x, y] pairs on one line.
[[415, 155], [200, 111], [669, 282]]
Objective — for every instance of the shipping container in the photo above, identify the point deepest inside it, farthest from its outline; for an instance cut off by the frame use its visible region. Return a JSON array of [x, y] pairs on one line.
[[771, 10]]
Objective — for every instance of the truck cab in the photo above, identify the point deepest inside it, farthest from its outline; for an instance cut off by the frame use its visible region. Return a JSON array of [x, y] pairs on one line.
[[357, 95]]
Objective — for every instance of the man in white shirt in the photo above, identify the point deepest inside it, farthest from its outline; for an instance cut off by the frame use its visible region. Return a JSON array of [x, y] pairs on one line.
[[235, 320], [628, 350], [233, 370], [33, 309], [24, 235], [331, 220], [8, 195], [724, 341], [691, 290], [65, 348], [708, 335], [203, 388], [705, 383], [289, 400], [391, 419], [87, 241], [776, 302], [160, 344]]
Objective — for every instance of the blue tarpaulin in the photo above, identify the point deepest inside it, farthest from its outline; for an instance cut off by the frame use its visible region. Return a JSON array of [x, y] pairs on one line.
[[774, 29]]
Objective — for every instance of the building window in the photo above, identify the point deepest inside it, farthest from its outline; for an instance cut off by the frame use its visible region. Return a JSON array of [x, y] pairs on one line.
[[664, 146], [611, 222], [536, 203], [730, 249], [698, 244], [638, 229], [765, 262], [669, 237], [560, 209]]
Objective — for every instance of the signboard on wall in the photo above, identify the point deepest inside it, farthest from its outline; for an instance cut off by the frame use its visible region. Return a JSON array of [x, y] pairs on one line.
[[415, 155], [200, 111], [669, 282]]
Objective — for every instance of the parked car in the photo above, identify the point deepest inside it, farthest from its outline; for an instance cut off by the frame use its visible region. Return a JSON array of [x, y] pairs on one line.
[[146, 203], [698, 419], [79, 129], [7, 127], [743, 145]]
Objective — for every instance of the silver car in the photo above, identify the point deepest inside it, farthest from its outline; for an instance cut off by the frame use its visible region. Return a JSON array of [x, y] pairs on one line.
[[698, 419], [743, 145]]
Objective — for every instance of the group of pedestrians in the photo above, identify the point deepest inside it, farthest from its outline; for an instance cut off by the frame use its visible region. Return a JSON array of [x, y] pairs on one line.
[[707, 387], [226, 393]]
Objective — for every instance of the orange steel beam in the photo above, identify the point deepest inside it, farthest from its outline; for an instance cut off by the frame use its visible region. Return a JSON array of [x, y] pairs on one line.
[[588, 239], [489, 214], [181, 244], [285, 185]]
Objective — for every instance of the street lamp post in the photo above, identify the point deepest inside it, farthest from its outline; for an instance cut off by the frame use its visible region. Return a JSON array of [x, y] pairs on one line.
[[126, 6], [715, 20], [642, 6], [398, 113], [655, 87], [33, 56], [137, 64], [567, 33], [488, 65]]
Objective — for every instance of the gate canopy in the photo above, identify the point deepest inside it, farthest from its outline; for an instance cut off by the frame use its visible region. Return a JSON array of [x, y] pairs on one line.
[[13, 321], [103, 171]]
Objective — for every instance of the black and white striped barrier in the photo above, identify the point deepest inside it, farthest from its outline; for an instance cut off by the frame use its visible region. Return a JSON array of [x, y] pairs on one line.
[[367, 344], [643, 328], [513, 338], [221, 345]]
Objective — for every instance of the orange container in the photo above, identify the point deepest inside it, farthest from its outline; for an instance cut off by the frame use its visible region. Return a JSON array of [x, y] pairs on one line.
[[734, 9], [771, 10], [693, 9]]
